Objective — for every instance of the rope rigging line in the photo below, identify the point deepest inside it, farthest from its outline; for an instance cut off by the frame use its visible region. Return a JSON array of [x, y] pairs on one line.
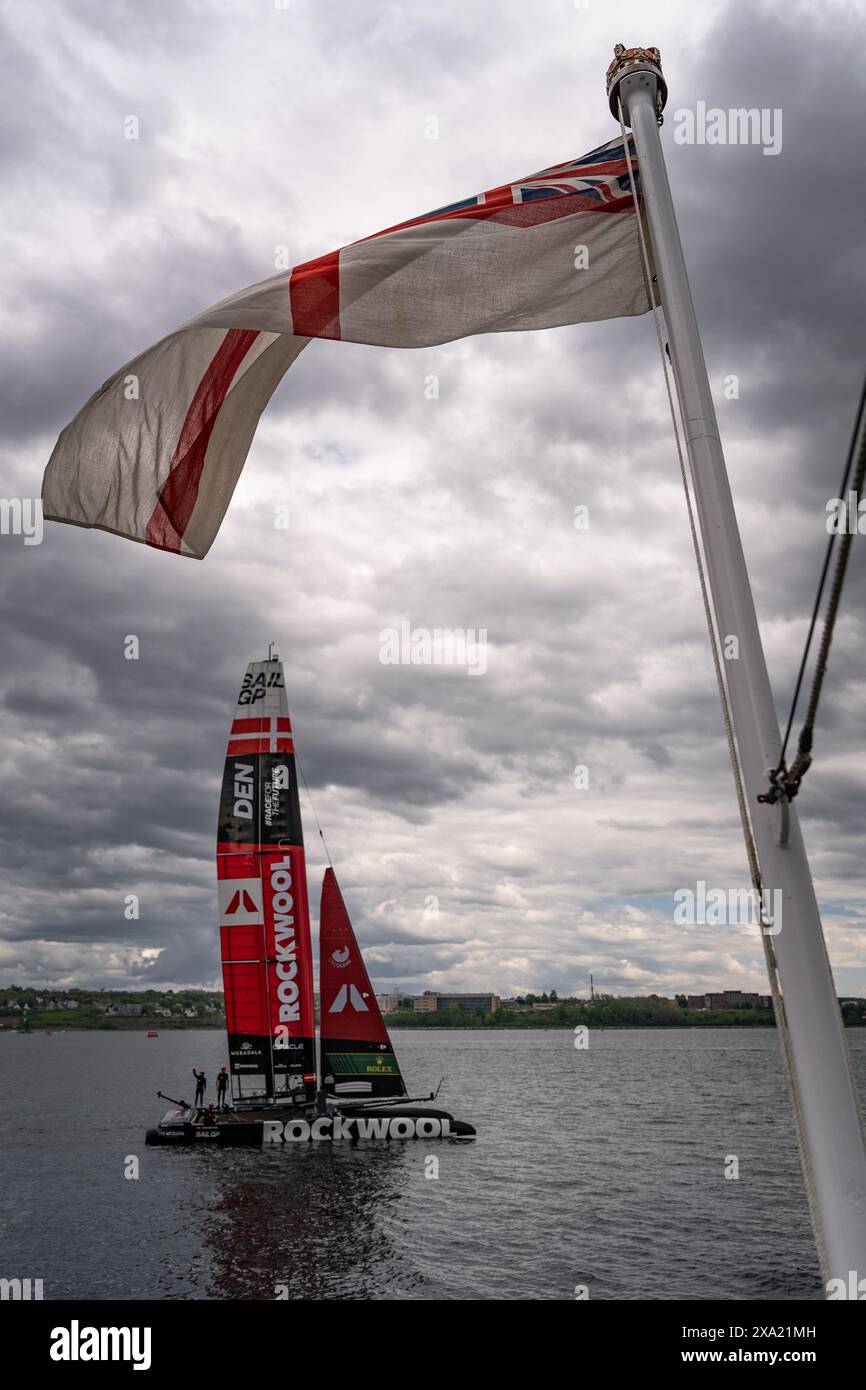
[[782, 781], [273, 657], [313, 809], [742, 804]]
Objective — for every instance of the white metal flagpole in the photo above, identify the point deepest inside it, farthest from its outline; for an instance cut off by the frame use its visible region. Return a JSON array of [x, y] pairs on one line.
[[824, 1094]]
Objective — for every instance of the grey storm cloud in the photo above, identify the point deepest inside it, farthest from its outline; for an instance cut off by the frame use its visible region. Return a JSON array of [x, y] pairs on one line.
[[467, 855]]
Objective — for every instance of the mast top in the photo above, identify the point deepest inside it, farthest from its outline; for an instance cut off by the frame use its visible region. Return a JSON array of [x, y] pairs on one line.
[[644, 64]]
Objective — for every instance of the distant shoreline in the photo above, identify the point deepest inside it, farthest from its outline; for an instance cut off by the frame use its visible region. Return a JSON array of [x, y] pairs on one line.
[[119, 1025], [537, 1023], [191, 1010], [527, 1023]]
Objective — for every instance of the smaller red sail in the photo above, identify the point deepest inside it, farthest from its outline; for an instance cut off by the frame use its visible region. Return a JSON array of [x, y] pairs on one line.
[[357, 1056]]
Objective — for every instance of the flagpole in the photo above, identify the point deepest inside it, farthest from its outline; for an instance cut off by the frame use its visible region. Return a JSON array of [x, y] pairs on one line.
[[824, 1094]]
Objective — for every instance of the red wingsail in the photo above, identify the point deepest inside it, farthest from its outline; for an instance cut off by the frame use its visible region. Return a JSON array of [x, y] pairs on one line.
[[262, 880], [357, 1056]]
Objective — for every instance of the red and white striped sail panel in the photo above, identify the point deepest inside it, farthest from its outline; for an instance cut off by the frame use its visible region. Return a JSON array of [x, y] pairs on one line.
[[357, 1056], [262, 882]]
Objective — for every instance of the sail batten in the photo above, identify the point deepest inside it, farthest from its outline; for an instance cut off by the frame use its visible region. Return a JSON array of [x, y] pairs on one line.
[[357, 1056], [264, 913]]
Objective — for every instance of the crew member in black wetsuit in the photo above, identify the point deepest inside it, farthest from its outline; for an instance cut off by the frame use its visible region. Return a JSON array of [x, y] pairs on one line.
[[222, 1083], [200, 1084]]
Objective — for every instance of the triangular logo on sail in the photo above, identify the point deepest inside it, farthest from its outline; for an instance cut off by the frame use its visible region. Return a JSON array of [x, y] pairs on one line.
[[240, 899], [351, 995]]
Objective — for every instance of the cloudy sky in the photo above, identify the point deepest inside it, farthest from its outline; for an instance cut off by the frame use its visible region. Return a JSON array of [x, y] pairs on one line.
[[303, 125]]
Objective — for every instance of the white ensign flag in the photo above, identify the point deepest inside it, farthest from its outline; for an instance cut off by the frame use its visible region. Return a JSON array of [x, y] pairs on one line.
[[159, 463]]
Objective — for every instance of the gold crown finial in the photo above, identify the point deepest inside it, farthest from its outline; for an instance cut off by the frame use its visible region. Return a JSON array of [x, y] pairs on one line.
[[630, 61]]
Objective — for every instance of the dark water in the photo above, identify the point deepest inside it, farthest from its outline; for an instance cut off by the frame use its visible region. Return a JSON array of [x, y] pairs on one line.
[[602, 1167]]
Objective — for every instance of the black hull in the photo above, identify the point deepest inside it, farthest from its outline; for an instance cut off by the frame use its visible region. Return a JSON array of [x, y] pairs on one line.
[[351, 1124]]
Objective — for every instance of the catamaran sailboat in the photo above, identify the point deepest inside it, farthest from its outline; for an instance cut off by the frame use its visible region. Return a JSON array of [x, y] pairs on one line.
[[282, 1091]]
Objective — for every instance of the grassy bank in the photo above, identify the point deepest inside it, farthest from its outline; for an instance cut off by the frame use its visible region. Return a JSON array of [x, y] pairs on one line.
[[76, 1019]]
